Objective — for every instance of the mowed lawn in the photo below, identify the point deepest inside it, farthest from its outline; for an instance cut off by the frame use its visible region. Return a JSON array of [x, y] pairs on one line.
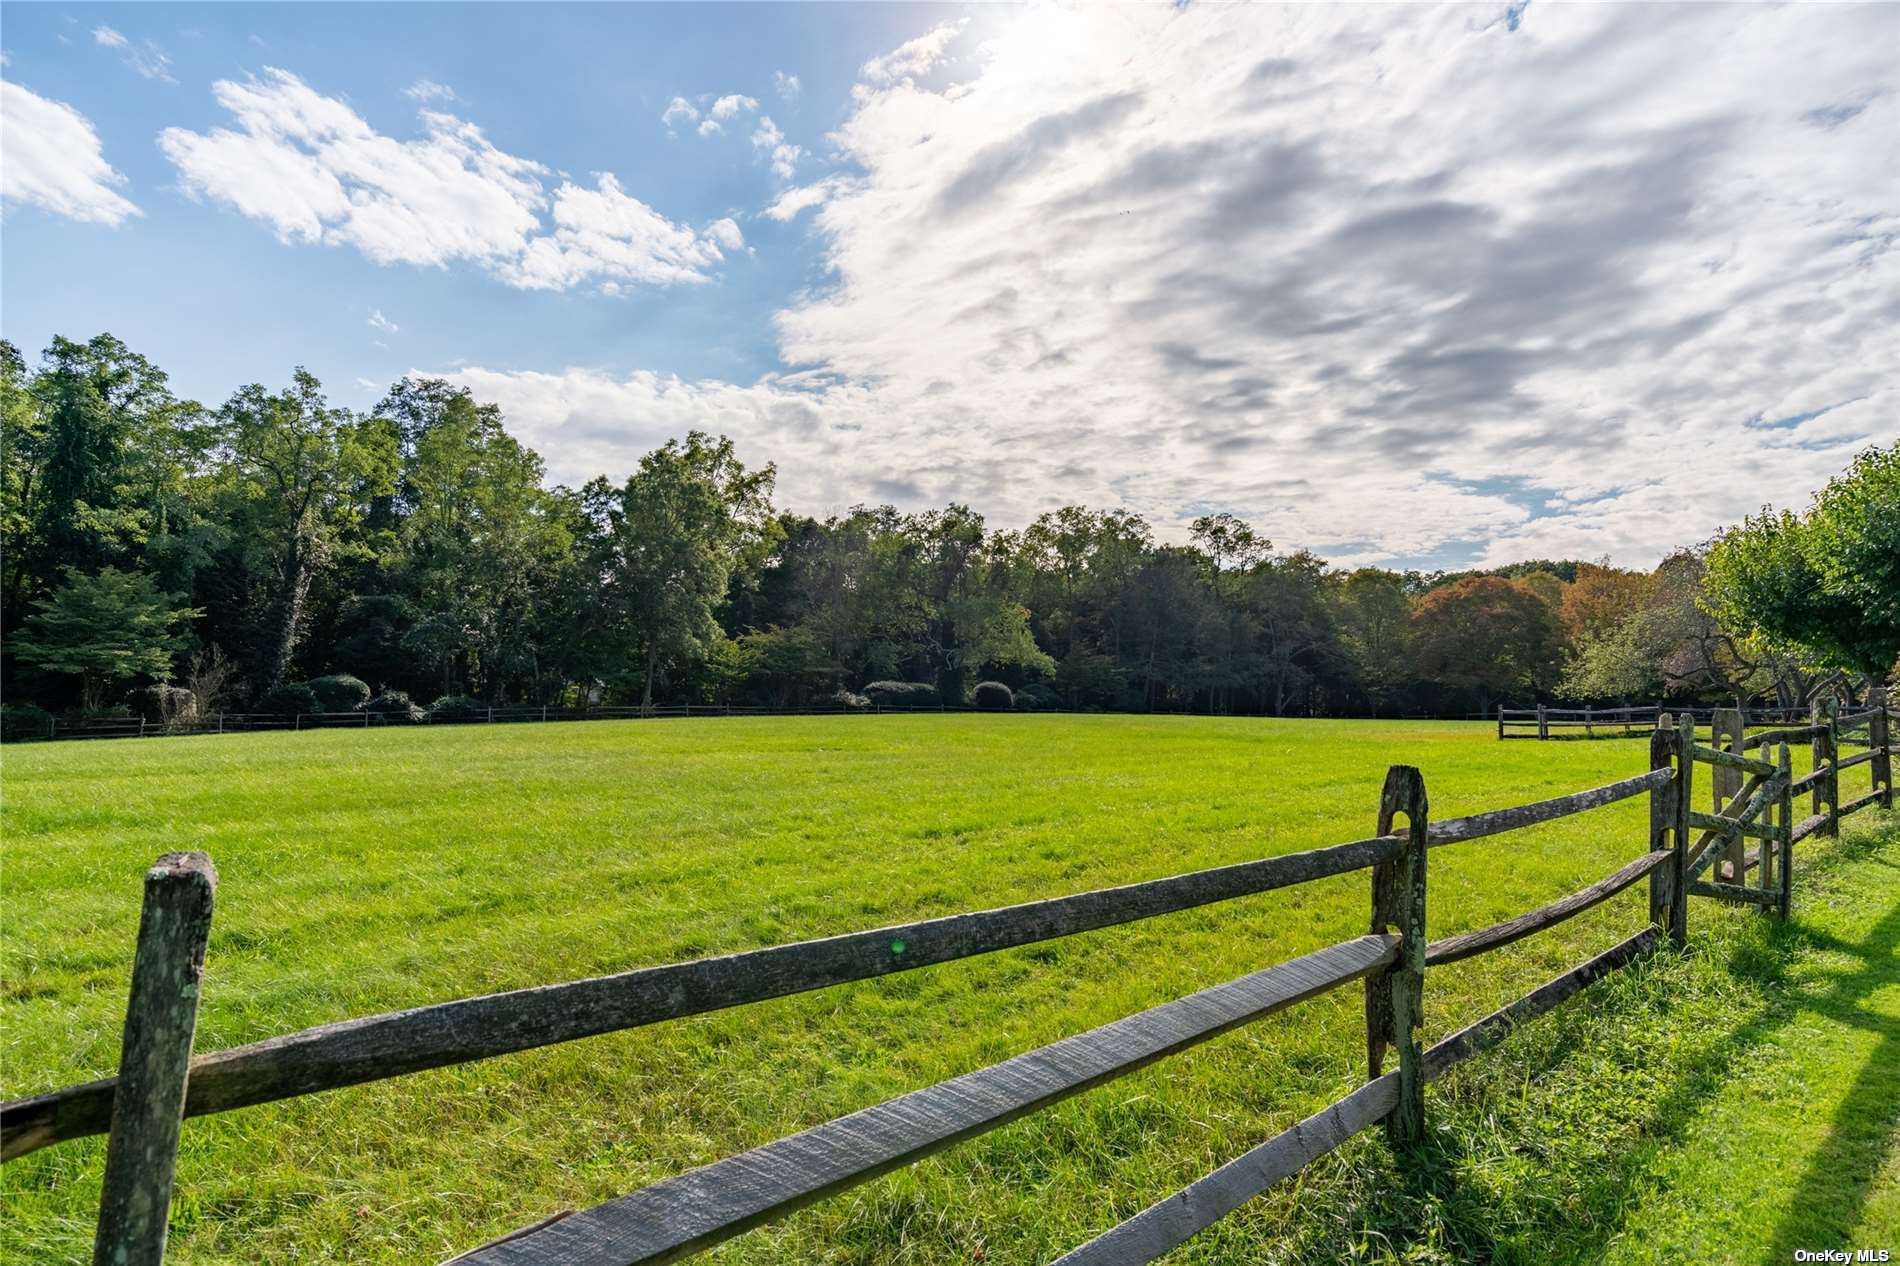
[[363, 872]]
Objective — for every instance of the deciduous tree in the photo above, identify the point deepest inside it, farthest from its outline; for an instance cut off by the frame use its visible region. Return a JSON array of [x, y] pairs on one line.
[[1826, 584], [104, 629]]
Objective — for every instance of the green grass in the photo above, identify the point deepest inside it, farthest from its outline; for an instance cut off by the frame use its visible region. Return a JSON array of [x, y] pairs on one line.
[[362, 872]]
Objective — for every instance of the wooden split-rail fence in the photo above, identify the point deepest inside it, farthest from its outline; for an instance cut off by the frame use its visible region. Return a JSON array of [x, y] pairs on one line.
[[1543, 722], [160, 1082]]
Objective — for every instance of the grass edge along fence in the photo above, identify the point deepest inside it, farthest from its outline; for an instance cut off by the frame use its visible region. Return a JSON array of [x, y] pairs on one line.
[[160, 1083]]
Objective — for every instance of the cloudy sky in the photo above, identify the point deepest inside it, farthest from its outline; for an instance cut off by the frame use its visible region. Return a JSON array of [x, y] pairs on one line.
[[1406, 285]]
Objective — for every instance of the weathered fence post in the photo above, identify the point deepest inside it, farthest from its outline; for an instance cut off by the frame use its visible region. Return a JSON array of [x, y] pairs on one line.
[[1826, 747], [1543, 722], [1500, 720], [1879, 737], [1784, 830], [1669, 748], [154, 1061], [1395, 998], [1725, 732], [1766, 851]]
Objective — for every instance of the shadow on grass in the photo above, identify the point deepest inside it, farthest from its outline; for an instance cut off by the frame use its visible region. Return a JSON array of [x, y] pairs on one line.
[[1828, 1198], [1446, 1199]]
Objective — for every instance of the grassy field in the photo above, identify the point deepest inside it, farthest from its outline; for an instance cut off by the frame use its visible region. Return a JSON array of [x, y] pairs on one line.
[[362, 872]]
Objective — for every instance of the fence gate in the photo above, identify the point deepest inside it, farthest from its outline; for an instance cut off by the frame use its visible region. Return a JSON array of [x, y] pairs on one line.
[[1753, 801]]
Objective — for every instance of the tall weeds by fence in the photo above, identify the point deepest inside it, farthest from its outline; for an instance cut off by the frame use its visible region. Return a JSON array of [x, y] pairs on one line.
[[1753, 798]]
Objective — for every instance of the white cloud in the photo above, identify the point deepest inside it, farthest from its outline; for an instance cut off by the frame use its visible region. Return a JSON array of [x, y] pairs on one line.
[[726, 233], [53, 159], [729, 106], [912, 58], [804, 197], [604, 234], [430, 90], [146, 58], [378, 321], [586, 423], [786, 85], [679, 110], [772, 145], [313, 170], [1388, 282]]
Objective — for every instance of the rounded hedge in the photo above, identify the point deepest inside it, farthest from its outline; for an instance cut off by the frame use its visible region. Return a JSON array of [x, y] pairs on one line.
[[993, 696], [288, 700], [848, 701], [458, 708], [24, 721], [340, 692], [1036, 695], [901, 694], [394, 706]]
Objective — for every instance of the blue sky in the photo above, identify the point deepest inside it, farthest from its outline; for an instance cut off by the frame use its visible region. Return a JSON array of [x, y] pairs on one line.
[[1416, 285], [218, 301]]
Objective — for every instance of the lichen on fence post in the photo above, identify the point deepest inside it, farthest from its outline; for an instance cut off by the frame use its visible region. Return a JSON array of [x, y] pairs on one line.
[[1669, 748], [148, 1106], [1879, 737], [1725, 732], [1822, 714], [1784, 830], [1395, 998]]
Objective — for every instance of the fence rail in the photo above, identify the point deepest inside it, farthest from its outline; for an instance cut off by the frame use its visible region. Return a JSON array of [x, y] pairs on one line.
[[1628, 722], [160, 1084]]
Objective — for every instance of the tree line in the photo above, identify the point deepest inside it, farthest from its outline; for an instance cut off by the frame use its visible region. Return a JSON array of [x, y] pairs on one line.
[[280, 553]]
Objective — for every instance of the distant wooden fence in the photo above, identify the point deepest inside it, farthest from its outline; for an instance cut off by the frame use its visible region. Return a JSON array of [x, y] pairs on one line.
[[522, 714], [1543, 722], [160, 1083], [501, 714]]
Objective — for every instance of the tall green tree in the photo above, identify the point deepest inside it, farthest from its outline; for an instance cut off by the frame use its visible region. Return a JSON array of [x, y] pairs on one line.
[[1290, 625], [1073, 563], [98, 452], [479, 542], [22, 454], [1825, 584], [300, 477], [104, 629], [668, 542], [1373, 616]]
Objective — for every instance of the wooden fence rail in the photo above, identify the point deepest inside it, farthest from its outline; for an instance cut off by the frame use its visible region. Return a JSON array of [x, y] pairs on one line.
[[160, 1084], [1544, 722]]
